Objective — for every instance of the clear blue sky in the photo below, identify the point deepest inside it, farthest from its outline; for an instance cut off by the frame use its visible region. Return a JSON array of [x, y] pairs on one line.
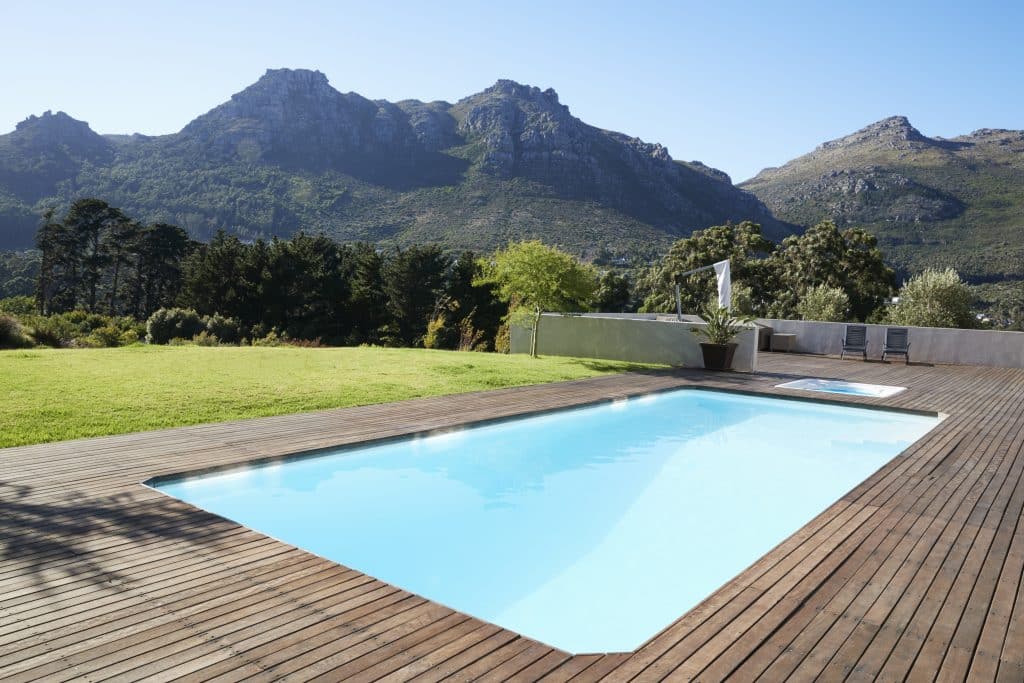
[[739, 86]]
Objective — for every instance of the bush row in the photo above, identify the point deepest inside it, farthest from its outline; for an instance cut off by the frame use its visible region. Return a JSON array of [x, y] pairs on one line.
[[22, 328]]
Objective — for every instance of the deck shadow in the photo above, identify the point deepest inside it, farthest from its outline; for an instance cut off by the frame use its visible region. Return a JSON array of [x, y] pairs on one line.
[[49, 540]]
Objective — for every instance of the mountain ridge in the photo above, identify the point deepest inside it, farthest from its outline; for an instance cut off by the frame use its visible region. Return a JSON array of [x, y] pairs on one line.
[[931, 201], [291, 152]]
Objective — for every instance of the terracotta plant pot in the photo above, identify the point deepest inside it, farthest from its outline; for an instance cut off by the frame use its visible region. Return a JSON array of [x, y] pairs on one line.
[[718, 356]]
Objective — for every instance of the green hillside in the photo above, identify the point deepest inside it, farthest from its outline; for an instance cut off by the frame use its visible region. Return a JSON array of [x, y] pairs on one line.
[[931, 201]]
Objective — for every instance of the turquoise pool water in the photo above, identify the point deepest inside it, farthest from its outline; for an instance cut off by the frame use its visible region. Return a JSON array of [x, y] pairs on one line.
[[838, 386], [588, 529]]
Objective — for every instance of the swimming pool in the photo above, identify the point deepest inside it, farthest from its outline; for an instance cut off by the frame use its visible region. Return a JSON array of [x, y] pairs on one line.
[[838, 386], [589, 529]]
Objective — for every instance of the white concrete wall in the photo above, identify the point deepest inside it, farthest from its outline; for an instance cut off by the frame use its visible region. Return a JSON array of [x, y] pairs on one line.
[[927, 344], [630, 339]]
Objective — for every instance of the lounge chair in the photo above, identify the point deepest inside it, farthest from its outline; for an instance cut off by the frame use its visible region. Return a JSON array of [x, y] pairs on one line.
[[855, 341], [897, 343]]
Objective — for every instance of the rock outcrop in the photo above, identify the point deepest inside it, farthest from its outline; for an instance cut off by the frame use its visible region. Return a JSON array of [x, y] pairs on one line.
[[930, 200]]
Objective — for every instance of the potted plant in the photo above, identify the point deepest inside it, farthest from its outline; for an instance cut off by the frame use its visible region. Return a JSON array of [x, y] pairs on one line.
[[720, 330]]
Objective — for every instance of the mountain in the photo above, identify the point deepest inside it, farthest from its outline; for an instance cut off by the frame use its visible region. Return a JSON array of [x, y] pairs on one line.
[[931, 201], [290, 152]]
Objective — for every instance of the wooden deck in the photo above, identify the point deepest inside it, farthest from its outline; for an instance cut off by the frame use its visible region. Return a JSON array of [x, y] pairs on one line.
[[913, 575]]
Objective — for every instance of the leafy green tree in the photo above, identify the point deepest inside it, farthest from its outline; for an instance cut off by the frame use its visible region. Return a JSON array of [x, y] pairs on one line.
[[120, 248], [304, 287], [367, 300], [825, 304], [824, 255], [91, 222], [414, 281], [54, 278], [935, 298], [213, 278], [19, 272], [613, 293], [156, 280], [534, 278], [470, 310], [742, 244]]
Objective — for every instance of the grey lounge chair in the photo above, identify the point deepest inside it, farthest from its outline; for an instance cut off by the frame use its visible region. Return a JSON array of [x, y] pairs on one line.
[[897, 343], [855, 341]]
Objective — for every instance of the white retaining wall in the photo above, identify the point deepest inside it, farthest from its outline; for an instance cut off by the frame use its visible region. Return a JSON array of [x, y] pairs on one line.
[[927, 344], [637, 339]]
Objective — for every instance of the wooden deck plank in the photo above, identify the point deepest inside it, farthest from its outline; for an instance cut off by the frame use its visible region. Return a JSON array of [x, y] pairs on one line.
[[855, 614], [916, 571]]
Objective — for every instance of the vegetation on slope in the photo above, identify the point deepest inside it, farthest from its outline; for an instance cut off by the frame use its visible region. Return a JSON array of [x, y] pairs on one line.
[[931, 202], [291, 153]]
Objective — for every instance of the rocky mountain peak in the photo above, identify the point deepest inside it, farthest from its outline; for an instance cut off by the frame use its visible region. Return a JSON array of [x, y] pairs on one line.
[[308, 78], [44, 150], [510, 88], [279, 89], [893, 132], [296, 116], [61, 133], [51, 121], [58, 125]]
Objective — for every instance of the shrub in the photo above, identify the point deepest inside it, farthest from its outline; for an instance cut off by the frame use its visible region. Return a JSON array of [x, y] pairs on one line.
[[85, 322], [503, 339], [204, 338], [433, 339], [317, 343], [12, 335], [129, 337], [272, 338], [173, 323], [825, 304], [78, 328], [935, 298], [18, 305], [226, 330], [132, 331], [108, 335], [470, 338], [55, 331]]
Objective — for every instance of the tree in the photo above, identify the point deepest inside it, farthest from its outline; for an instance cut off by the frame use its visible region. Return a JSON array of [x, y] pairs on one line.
[[304, 287], [742, 244], [822, 255], [213, 278], [90, 222], [49, 243], [534, 278], [157, 277], [414, 281], [824, 303], [366, 299], [120, 248], [613, 293], [98, 254], [935, 298], [19, 273], [470, 310]]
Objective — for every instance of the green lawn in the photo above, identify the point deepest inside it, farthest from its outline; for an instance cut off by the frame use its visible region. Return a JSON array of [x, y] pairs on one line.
[[51, 395]]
